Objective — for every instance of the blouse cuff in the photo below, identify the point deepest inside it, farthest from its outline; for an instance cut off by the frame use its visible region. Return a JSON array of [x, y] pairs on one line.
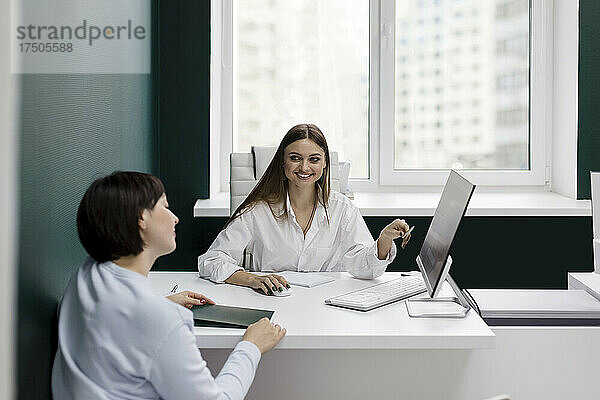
[[225, 272], [251, 350], [374, 259]]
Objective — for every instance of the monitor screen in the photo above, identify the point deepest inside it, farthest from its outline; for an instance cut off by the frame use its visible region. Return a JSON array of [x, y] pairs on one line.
[[449, 212]]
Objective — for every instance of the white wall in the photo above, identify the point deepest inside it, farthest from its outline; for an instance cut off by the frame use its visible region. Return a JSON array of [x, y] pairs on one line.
[[8, 214]]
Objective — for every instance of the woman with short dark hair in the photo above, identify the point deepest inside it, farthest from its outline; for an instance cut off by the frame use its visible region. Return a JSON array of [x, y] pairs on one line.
[[292, 221], [117, 338]]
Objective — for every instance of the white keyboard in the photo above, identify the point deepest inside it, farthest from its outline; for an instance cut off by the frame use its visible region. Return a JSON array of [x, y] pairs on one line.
[[378, 295]]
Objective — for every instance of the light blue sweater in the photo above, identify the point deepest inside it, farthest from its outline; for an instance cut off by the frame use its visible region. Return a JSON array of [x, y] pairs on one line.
[[119, 340]]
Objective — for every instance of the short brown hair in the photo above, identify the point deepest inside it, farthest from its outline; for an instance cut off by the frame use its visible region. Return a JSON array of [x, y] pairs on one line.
[[108, 215]]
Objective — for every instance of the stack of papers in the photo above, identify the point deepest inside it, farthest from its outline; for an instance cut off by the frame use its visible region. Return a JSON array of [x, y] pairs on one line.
[[536, 304]]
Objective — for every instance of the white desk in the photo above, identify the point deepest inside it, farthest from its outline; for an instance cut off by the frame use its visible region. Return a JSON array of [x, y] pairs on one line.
[[313, 325], [332, 353], [588, 281]]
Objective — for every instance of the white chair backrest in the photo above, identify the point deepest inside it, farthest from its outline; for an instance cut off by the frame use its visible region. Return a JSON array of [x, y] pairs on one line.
[[246, 169]]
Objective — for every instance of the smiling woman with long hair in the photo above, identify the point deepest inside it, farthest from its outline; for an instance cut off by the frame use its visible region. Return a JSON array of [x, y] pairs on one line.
[[292, 221]]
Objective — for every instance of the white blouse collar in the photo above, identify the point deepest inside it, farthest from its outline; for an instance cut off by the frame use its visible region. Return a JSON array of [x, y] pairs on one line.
[[319, 217]]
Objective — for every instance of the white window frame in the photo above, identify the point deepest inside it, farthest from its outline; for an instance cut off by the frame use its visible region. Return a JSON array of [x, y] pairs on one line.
[[382, 177], [221, 94], [540, 108]]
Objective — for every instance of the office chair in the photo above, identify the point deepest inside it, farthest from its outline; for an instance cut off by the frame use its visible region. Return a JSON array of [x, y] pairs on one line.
[[246, 169]]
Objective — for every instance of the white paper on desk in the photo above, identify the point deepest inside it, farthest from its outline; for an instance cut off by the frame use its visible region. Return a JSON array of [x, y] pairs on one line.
[[305, 279]]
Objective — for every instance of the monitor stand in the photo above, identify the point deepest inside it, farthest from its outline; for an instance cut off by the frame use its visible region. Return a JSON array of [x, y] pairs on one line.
[[440, 307]]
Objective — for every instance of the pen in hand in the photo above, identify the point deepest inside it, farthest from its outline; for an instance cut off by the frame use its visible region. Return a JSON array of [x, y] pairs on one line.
[[405, 234], [174, 288]]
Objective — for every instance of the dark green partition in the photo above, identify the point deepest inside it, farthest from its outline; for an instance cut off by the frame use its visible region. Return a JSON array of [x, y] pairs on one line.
[[488, 252], [588, 143], [183, 124]]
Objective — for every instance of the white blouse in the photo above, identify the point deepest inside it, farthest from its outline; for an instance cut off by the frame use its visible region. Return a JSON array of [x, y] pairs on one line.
[[342, 244]]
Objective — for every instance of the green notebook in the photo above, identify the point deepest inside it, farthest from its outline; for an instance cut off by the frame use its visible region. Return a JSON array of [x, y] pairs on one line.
[[215, 315]]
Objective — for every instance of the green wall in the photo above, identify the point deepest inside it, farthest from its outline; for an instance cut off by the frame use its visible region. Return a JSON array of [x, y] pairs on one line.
[[183, 118], [488, 252], [588, 144], [74, 128]]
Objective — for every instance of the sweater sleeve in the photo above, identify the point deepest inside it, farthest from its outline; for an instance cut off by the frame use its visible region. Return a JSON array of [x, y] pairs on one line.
[[179, 372]]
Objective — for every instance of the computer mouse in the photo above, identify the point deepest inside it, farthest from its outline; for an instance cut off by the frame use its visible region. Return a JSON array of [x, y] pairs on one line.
[[276, 293], [284, 293]]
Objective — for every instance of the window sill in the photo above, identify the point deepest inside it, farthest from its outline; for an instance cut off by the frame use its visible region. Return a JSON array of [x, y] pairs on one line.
[[520, 204]]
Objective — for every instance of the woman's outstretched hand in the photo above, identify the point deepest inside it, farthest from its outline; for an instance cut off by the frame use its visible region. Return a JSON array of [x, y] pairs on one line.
[[188, 299], [398, 228]]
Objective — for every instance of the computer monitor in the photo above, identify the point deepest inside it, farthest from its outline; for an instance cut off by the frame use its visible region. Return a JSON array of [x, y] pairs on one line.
[[433, 259], [595, 182], [595, 186]]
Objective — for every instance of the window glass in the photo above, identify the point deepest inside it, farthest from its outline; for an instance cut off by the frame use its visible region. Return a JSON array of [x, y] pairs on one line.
[[462, 84], [302, 61]]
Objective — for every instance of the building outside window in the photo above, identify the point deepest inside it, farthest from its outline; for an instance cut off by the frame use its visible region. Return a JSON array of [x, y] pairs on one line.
[[453, 88]]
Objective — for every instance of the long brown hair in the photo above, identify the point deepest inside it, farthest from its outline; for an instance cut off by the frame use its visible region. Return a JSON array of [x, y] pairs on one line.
[[273, 185]]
